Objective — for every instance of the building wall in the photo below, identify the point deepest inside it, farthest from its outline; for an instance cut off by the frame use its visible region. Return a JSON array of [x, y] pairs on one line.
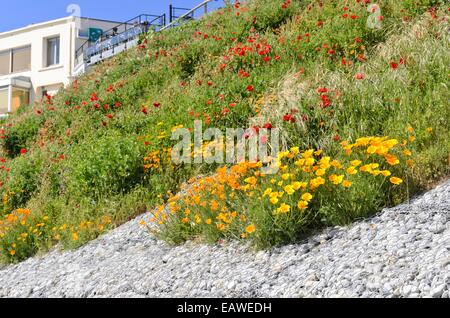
[[53, 77], [39, 74]]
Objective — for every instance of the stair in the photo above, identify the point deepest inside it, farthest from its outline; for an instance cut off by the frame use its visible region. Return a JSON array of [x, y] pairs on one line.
[[114, 42]]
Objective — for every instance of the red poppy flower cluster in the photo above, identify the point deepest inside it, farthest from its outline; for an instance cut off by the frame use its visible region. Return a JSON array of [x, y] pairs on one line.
[[394, 65], [286, 4], [325, 98]]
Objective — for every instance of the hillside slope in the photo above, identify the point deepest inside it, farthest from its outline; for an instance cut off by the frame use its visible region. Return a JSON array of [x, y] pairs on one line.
[[98, 153]]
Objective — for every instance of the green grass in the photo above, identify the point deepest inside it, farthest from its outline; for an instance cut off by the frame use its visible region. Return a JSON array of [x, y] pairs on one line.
[[84, 171]]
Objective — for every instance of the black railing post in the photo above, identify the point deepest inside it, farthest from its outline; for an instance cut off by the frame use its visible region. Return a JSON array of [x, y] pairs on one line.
[[171, 13]]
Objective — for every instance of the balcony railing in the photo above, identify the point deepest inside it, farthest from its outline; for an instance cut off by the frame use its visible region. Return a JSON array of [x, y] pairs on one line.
[[125, 35], [119, 36], [189, 15]]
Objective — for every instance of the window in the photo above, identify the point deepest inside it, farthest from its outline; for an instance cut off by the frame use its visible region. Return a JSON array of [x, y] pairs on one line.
[[52, 51], [20, 97], [21, 59], [5, 62], [4, 102], [15, 60]]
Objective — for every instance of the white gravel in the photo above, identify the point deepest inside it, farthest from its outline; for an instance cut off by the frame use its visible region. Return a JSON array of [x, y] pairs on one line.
[[402, 252]]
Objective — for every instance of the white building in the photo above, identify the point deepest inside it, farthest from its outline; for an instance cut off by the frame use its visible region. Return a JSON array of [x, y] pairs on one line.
[[40, 59]]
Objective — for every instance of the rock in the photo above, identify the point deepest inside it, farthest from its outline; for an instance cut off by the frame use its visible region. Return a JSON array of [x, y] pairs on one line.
[[437, 291]]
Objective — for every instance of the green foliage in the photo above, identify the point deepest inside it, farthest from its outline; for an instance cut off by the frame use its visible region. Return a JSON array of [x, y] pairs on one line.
[[21, 134], [106, 165], [22, 182]]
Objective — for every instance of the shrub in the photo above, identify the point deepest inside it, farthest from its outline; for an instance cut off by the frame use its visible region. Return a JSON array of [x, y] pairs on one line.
[[21, 134], [105, 165], [21, 181], [309, 190]]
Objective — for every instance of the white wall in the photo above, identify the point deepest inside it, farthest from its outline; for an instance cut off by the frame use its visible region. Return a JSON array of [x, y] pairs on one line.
[[36, 36], [40, 74]]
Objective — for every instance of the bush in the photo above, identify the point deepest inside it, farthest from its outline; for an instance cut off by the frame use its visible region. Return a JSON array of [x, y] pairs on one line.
[[21, 134], [21, 181], [104, 165], [309, 191]]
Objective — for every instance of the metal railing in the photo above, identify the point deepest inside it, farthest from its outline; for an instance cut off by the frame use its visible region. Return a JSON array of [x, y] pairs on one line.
[[130, 30], [120, 34], [174, 15], [188, 16]]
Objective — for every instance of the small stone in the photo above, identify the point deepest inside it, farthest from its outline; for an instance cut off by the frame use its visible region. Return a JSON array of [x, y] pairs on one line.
[[437, 291]]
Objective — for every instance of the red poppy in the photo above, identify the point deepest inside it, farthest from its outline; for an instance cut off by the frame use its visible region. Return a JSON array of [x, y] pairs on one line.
[[322, 90], [326, 101], [359, 76], [94, 97], [157, 104], [354, 17], [268, 126], [243, 73], [144, 110], [62, 157], [394, 65], [23, 151], [289, 118], [250, 88], [110, 116]]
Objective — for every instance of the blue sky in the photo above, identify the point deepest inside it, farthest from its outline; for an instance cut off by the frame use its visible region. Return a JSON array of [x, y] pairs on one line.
[[19, 13]]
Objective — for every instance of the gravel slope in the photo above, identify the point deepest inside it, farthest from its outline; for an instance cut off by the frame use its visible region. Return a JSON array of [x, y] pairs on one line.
[[402, 252]]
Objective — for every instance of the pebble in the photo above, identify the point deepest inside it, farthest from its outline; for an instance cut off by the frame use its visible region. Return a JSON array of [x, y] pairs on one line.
[[402, 252]]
